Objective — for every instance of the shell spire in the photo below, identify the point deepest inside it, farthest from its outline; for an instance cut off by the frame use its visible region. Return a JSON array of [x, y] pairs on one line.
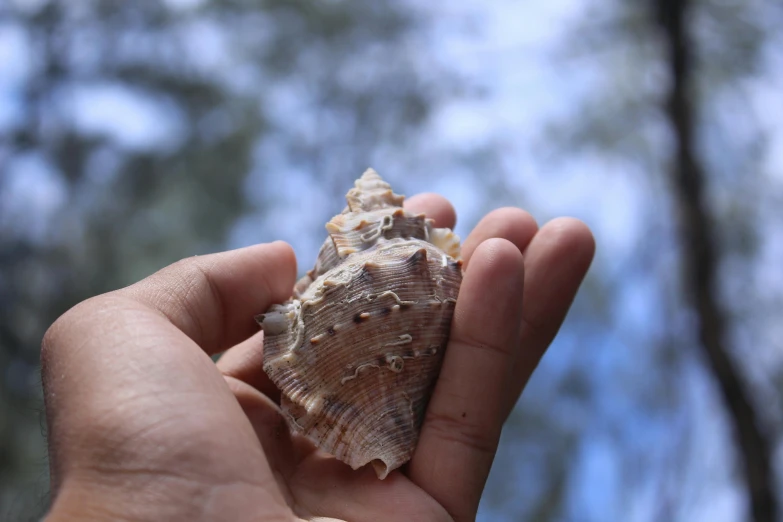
[[371, 192], [357, 350]]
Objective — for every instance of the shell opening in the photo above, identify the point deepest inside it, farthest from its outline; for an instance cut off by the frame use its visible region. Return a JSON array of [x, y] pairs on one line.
[[273, 323], [381, 468]]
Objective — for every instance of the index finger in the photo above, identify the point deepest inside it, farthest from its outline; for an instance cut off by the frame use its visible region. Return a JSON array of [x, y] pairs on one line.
[[434, 206]]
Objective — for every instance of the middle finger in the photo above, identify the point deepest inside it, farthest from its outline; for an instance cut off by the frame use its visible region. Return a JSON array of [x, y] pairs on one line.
[[509, 223]]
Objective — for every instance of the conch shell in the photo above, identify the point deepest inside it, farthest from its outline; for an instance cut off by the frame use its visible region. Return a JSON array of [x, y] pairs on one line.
[[357, 350]]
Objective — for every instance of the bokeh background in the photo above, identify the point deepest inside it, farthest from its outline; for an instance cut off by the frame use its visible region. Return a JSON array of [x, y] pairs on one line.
[[133, 134]]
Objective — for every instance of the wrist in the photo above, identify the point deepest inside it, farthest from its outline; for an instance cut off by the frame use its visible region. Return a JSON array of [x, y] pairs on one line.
[[142, 498], [77, 502], [139, 498]]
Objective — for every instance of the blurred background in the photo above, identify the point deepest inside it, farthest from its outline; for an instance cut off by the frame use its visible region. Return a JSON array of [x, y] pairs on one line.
[[133, 134]]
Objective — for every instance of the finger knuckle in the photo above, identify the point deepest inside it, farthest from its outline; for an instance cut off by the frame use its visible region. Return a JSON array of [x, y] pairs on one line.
[[69, 320], [534, 327], [180, 291], [493, 347], [460, 431]]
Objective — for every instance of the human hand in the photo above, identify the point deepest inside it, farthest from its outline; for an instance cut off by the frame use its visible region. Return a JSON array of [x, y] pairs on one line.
[[144, 426]]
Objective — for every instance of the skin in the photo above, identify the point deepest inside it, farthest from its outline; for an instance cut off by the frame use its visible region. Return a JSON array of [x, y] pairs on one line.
[[144, 426]]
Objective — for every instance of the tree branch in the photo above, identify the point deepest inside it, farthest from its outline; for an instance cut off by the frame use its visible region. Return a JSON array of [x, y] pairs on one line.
[[700, 260]]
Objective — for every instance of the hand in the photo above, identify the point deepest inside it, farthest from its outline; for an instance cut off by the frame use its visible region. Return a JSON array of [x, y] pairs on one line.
[[144, 426]]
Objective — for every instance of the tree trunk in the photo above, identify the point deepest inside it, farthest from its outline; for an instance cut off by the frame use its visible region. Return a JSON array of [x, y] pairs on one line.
[[700, 260]]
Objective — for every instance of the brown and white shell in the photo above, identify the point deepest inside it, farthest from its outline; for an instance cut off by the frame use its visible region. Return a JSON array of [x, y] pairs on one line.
[[358, 348]]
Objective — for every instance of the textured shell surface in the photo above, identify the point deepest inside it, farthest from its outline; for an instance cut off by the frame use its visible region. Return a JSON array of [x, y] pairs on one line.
[[357, 349]]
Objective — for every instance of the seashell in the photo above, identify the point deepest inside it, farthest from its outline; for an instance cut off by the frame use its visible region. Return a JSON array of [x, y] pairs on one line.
[[357, 350]]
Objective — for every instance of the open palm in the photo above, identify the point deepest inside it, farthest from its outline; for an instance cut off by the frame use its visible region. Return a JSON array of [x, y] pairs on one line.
[[143, 425]]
